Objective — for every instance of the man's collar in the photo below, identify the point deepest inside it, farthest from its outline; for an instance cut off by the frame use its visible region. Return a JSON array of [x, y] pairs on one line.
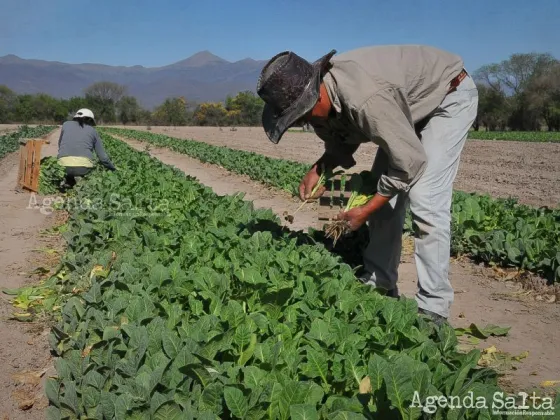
[[330, 84]]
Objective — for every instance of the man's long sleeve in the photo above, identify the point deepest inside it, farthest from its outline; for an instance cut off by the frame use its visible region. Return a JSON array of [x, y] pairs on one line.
[[385, 119]]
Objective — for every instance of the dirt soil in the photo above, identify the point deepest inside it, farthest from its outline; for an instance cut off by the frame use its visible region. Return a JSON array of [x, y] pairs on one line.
[[479, 299], [24, 350], [527, 171]]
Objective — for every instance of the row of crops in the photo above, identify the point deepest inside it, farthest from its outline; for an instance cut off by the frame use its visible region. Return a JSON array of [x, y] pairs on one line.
[[523, 136], [181, 304], [491, 230], [10, 142], [530, 136]]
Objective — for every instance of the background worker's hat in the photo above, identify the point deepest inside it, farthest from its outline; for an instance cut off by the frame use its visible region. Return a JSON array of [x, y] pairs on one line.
[[289, 86]]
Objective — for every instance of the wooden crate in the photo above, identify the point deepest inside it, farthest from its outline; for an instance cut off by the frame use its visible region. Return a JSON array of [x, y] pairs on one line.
[[29, 164]]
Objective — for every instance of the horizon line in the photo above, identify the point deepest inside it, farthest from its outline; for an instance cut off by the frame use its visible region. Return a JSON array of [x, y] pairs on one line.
[[135, 65]]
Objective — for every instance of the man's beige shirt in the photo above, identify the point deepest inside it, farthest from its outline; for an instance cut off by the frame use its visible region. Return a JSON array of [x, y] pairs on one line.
[[379, 94]]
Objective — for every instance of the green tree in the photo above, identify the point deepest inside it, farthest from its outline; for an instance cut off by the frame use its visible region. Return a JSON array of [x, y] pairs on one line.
[[172, 111], [128, 110], [75, 103], [49, 109], [492, 109], [24, 110], [544, 97], [245, 108], [211, 114], [8, 100]]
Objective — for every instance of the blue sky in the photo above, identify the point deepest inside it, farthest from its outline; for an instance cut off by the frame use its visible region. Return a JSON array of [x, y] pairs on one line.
[[155, 33]]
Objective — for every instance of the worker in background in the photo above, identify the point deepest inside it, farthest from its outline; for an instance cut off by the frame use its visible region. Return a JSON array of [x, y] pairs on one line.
[[417, 103], [78, 139]]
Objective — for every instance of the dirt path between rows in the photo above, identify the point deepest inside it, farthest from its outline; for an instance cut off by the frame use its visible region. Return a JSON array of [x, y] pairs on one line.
[[220, 180], [479, 298], [527, 171], [24, 350]]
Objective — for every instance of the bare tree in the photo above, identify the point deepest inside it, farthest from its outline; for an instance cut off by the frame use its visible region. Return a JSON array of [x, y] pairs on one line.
[[106, 91], [486, 75], [515, 73], [102, 97], [518, 71]]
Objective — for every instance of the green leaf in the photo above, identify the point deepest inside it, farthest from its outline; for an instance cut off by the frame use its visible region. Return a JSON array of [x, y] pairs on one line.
[[52, 391], [320, 331], [354, 367], [346, 415], [447, 338], [91, 397], [483, 333], [233, 313], [206, 415], [94, 294], [246, 354], [157, 401], [242, 336], [250, 276], [169, 411], [171, 343], [287, 396], [211, 398], [122, 405], [253, 377], [110, 333], [456, 381], [53, 413], [94, 379], [107, 405], [303, 412], [70, 398], [236, 402], [317, 365], [398, 378], [260, 320], [63, 369], [158, 274]]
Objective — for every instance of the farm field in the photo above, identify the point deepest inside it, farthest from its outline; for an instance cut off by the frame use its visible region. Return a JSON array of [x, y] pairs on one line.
[[527, 171], [541, 136], [481, 297], [494, 230]]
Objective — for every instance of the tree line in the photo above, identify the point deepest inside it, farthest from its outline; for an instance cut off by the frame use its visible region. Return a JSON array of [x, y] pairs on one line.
[[111, 104], [521, 93]]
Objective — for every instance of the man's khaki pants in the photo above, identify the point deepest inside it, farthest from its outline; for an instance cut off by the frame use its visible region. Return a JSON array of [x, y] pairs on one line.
[[430, 203]]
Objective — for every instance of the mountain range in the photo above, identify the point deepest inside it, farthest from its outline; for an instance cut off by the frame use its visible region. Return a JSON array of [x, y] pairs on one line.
[[201, 77]]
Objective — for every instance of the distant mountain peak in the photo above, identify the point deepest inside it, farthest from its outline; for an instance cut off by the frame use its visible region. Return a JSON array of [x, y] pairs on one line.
[[10, 58], [200, 59], [200, 77], [247, 60]]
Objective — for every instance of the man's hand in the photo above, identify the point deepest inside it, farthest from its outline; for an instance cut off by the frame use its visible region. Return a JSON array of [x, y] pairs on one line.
[[308, 183], [356, 217]]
